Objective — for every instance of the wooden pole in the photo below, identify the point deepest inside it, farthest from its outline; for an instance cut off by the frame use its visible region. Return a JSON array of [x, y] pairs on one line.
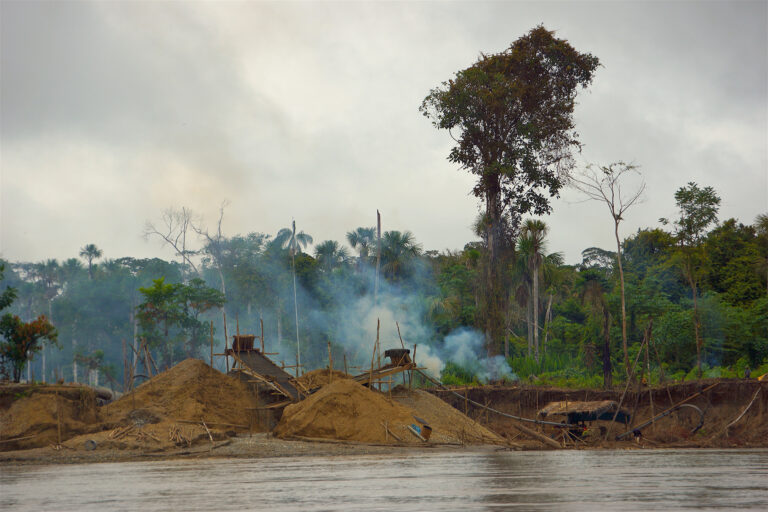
[[58, 419], [226, 340], [399, 336], [648, 367], [378, 258], [629, 381], [125, 367], [345, 364], [378, 353], [211, 343], [261, 321], [330, 364], [373, 356]]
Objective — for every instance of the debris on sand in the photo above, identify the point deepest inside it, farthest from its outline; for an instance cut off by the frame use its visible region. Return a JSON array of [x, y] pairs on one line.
[[345, 410]]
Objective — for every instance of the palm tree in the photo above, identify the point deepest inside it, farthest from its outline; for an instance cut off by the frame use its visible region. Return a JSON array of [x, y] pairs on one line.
[[90, 252], [397, 251], [362, 239], [534, 231], [556, 276], [331, 255], [289, 239]]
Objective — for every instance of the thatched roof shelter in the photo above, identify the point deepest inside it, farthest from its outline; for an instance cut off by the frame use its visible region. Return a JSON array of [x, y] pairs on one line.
[[585, 411]]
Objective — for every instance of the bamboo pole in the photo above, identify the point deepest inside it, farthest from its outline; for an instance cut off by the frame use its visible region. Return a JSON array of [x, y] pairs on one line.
[[211, 343], [330, 364]]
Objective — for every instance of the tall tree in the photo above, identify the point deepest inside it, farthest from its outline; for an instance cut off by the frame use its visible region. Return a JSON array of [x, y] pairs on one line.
[[513, 116], [289, 239], [593, 287], [698, 209], [761, 229], [398, 249], [604, 183], [331, 255], [362, 239], [89, 253], [174, 232], [534, 231], [20, 340]]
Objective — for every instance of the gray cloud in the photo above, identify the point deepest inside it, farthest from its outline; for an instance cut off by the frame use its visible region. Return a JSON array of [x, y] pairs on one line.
[[111, 112]]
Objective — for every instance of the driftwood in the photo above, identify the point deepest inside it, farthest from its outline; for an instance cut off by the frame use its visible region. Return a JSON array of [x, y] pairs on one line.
[[725, 429], [540, 437], [414, 432], [389, 432], [671, 410]]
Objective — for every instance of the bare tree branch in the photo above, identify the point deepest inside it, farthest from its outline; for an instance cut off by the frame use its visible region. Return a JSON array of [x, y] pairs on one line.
[[604, 183], [173, 231]]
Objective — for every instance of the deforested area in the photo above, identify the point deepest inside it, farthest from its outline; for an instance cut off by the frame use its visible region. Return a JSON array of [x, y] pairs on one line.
[[381, 226]]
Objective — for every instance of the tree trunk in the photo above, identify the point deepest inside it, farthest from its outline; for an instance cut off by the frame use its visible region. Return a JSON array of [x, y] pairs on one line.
[[74, 360], [547, 319], [696, 326], [536, 309], [623, 302], [494, 286], [529, 324], [296, 311], [607, 370]]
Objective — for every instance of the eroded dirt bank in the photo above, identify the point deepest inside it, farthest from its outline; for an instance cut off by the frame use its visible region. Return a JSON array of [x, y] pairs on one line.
[[721, 405], [194, 411]]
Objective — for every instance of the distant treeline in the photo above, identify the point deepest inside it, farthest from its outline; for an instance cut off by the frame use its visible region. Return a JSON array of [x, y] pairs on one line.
[[103, 309]]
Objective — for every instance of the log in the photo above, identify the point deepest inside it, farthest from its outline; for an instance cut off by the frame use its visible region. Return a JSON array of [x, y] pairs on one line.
[[540, 437]]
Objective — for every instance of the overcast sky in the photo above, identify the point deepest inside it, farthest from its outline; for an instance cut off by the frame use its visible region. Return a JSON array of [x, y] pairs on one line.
[[112, 112]]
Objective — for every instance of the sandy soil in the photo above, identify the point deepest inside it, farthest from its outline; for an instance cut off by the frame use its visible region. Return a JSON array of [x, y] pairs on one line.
[[259, 445], [194, 411]]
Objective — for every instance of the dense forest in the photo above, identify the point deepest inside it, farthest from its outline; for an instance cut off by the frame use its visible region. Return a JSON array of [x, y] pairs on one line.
[[104, 309]]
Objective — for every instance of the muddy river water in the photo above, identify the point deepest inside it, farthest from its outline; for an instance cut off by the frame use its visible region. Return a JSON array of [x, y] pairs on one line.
[[464, 480]]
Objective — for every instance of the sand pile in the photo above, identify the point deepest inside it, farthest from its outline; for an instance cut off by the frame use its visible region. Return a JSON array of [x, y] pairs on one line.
[[191, 390], [35, 415], [167, 411], [346, 410], [448, 424], [319, 378]]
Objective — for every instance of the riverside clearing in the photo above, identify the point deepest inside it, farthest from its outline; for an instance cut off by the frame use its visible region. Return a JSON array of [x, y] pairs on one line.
[[195, 410]]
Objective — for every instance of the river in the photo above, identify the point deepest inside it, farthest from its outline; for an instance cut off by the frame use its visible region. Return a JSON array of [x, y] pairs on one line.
[[462, 480]]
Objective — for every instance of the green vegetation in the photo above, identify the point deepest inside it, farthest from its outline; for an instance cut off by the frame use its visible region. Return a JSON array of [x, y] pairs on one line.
[[19, 340]]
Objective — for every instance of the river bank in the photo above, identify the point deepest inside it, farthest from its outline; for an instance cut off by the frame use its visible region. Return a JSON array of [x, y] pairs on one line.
[[193, 411]]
